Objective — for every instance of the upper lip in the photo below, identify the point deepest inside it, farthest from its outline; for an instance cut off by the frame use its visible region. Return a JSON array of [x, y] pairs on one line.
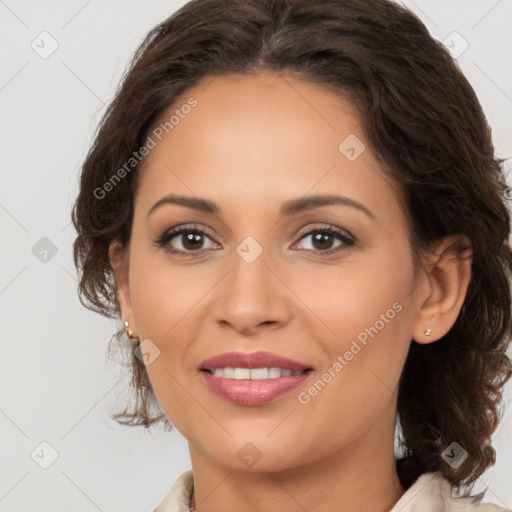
[[252, 360]]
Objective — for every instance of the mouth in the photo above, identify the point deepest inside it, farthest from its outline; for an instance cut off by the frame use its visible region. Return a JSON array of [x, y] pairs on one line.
[[253, 386]]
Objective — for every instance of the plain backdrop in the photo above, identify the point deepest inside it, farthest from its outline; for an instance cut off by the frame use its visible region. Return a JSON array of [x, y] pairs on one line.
[[60, 64]]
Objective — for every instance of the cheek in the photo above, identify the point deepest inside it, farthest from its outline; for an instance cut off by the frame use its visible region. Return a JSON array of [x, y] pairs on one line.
[[358, 299], [368, 314], [359, 381], [371, 337], [164, 293]]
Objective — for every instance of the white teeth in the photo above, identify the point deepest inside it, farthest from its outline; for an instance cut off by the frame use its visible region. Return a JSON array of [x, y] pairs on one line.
[[260, 373], [242, 373], [253, 374], [228, 372]]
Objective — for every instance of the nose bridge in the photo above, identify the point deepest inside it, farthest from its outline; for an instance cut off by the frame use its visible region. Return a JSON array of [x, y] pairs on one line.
[[251, 294], [250, 275]]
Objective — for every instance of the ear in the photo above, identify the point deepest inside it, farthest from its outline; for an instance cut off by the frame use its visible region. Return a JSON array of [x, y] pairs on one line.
[[444, 287], [119, 262]]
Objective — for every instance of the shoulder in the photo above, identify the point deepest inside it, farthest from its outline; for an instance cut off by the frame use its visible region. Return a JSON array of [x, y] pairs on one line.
[[432, 492]]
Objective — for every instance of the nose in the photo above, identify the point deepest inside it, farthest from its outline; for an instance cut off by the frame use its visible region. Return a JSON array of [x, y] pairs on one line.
[[252, 297]]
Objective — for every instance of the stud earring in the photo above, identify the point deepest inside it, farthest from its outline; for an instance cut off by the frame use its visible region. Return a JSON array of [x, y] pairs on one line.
[[428, 332], [126, 325]]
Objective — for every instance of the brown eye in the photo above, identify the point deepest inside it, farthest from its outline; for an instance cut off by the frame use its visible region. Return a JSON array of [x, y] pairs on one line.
[[322, 240], [184, 240]]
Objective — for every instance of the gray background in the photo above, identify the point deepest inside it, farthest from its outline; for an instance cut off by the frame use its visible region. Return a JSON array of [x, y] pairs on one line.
[[57, 385]]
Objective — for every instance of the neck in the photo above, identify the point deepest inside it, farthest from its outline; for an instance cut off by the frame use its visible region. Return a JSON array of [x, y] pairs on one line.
[[362, 476]]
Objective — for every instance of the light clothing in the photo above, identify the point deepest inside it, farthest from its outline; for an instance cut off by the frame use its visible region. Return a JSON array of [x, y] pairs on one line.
[[431, 492]]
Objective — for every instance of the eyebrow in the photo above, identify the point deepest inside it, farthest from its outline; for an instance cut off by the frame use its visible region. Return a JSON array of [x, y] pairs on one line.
[[290, 207]]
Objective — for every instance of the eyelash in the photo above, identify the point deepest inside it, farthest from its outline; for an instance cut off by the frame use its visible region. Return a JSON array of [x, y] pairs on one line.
[[162, 241]]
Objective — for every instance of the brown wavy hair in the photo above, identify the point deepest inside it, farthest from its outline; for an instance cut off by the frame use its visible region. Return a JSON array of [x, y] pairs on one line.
[[423, 121]]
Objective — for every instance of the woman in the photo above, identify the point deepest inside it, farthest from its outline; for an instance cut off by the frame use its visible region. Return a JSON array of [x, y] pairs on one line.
[[295, 210]]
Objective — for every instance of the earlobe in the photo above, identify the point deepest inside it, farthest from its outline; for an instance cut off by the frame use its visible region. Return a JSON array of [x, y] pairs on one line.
[[447, 281], [119, 263]]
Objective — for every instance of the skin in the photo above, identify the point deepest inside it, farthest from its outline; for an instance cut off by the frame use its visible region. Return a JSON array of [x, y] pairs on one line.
[[251, 143]]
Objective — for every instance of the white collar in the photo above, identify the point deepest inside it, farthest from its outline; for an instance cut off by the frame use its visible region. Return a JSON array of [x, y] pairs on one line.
[[431, 492]]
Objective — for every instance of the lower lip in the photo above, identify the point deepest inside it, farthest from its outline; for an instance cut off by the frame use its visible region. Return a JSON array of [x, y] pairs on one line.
[[253, 392]]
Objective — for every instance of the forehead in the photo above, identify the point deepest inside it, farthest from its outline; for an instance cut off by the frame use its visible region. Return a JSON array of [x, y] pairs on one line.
[[261, 138]]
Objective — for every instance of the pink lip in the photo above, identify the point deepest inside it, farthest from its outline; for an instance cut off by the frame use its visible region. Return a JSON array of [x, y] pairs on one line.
[[252, 360], [252, 392]]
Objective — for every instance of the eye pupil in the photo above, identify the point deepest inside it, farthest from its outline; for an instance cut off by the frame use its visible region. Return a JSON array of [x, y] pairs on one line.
[[191, 241], [322, 240]]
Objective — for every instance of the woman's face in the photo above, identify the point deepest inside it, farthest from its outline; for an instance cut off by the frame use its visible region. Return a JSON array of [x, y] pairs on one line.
[[263, 276]]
